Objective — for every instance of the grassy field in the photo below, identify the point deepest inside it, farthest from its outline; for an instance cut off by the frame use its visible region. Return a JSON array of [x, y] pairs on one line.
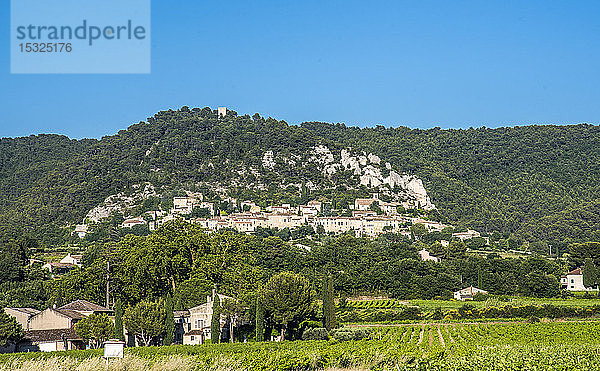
[[514, 346]]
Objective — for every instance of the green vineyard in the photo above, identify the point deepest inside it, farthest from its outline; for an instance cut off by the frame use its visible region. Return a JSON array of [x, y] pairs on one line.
[[455, 346], [375, 304]]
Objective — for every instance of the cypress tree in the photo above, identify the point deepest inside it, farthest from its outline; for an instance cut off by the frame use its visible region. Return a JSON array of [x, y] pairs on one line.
[[590, 273], [169, 322], [215, 323], [328, 304], [118, 334], [260, 320], [179, 303]]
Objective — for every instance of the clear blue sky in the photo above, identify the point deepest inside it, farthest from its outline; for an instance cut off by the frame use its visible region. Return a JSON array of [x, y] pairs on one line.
[[415, 63]]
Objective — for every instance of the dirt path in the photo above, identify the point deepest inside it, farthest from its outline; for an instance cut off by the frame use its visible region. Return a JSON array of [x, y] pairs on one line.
[[441, 337], [449, 334], [430, 332]]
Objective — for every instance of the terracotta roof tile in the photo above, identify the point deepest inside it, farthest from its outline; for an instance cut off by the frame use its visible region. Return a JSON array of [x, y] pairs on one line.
[[84, 306], [52, 335]]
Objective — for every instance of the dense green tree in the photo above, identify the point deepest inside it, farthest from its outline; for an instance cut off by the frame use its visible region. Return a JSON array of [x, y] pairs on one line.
[[288, 297], [95, 328], [10, 330], [329, 320], [145, 320], [232, 309], [581, 251], [540, 285]]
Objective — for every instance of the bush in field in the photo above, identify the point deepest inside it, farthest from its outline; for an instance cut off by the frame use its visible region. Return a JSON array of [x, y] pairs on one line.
[[318, 333], [347, 334], [480, 297]]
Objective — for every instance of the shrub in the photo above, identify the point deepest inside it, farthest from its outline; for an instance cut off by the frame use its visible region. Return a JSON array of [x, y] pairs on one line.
[[347, 334], [317, 333], [480, 297]]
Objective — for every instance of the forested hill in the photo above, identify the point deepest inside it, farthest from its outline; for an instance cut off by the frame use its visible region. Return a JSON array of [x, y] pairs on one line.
[[536, 182], [539, 182]]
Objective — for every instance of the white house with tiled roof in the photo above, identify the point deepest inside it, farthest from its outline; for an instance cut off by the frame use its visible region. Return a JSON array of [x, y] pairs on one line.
[[573, 281], [468, 293]]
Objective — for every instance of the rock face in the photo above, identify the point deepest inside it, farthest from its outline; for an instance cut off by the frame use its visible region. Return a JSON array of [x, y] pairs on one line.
[[121, 202], [366, 169], [318, 168], [267, 160]]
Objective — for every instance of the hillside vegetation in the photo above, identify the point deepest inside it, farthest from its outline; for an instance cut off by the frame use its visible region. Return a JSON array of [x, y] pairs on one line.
[[536, 183]]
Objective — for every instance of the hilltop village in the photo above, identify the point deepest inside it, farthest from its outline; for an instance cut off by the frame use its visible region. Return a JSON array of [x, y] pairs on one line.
[[367, 217]]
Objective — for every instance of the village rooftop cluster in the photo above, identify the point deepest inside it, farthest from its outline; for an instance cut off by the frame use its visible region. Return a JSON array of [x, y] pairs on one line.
[[368, 217]]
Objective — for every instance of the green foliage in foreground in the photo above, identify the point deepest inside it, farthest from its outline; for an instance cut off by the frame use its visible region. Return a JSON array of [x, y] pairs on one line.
[[516, 346], [10, 330]]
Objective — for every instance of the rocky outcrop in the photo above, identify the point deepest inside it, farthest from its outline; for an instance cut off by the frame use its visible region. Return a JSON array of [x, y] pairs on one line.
[[366, 168], [121, 202]]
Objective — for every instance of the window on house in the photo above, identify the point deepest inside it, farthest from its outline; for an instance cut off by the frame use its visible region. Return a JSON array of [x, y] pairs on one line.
[[192, 337], [572, 280]]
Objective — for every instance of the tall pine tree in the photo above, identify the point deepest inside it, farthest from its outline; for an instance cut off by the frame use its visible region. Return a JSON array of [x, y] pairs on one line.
[[215, 323]]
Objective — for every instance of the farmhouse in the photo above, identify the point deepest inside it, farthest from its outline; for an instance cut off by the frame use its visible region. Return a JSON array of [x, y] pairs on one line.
[[196, 322], [466, 235], [57, 268], [573, 281], [53, 329], [468, 293], [363, 203], [72, 259]]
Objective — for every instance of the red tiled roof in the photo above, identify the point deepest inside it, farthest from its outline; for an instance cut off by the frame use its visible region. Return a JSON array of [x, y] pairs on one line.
[[84, 305], [576, 271], [29, 311], [51, 335], [365, 201], [70, 313]]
